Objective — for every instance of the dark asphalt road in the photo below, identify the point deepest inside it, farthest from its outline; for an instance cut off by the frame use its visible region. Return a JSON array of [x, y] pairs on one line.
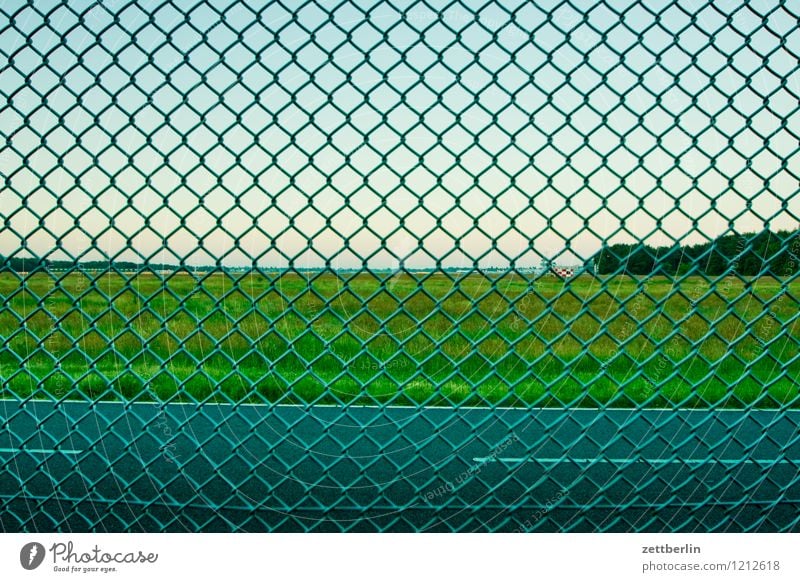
[[139, 467]]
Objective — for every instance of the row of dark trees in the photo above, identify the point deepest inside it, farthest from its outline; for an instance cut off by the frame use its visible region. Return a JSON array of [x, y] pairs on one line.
[[766, 252], [30, 264]]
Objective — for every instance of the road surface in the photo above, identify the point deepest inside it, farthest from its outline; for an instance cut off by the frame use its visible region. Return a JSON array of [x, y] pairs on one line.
[[113, 466]]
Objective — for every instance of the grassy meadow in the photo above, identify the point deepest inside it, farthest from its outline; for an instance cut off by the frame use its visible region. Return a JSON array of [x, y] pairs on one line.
[[414, 338]]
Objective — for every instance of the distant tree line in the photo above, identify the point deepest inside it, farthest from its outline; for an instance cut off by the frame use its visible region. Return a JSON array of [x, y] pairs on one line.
[[751, 254], [29, 264], [767, 252]]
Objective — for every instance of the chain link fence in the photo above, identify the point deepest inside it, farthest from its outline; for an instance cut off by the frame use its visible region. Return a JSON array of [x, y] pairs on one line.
[[372, 265]]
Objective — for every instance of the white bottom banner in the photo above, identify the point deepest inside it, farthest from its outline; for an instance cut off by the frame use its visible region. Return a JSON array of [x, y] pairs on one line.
[[371, 557]]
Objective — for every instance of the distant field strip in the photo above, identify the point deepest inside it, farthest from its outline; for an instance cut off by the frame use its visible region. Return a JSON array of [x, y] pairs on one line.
[[429, 338]]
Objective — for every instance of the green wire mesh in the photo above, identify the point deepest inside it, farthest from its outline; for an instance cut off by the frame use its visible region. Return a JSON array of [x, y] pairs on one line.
[[399, 265]]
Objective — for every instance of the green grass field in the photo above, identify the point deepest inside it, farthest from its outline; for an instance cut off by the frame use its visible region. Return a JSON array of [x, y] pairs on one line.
[[419, 338]]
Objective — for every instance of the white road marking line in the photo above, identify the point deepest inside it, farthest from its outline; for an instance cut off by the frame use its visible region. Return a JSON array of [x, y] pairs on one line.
[[587, 461], [567, 410], [43, 451]]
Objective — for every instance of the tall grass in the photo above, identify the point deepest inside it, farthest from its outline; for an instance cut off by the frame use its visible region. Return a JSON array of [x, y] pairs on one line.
[[429, 338]]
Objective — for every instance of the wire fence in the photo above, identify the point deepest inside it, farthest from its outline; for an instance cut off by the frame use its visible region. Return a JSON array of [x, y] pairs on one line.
[[499, 266]]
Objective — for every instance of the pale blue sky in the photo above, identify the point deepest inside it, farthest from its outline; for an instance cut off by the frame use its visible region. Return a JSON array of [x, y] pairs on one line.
[[341, 122]]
